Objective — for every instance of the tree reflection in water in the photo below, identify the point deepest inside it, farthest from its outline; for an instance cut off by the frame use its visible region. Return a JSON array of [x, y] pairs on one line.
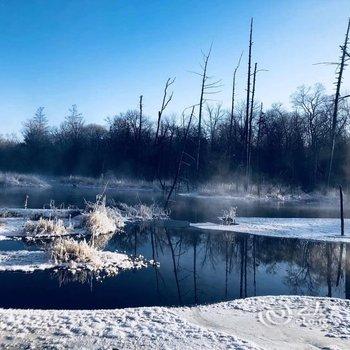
[[198, 266]]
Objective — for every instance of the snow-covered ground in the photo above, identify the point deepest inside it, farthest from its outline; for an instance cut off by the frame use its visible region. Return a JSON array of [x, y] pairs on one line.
[[318, 229], [253, 323]]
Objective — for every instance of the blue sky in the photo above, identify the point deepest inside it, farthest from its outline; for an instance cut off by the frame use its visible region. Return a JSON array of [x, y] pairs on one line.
[[101, 55]]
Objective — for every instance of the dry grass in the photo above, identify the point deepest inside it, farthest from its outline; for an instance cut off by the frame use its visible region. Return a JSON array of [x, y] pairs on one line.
[[45, 227], [71, 252], [101, 219], [144, 212]]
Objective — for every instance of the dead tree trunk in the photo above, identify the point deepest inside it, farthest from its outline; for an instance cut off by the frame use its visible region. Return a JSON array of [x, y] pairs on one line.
[[343, 59], [248, 93], [179, 166], [201, 102], [157, 139], [207, 88], [341, 211], [250, 130], [166, 100], [232, 109]]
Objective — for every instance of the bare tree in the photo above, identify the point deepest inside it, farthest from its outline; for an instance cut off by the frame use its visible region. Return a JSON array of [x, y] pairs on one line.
[[166, 100], [181, 159], [208, 87], [248, 150], [248, 93], [343, 59], [233, 105]]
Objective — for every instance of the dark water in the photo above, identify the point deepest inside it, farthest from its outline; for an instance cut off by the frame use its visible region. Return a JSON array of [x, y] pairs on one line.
[[196, 267]]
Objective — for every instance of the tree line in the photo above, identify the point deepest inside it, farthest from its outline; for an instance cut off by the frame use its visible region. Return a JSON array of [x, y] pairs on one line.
[[306, 146]]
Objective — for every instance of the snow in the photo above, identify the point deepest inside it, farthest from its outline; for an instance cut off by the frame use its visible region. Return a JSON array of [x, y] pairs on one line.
[[318, 229], [28, 261], [239, 324]]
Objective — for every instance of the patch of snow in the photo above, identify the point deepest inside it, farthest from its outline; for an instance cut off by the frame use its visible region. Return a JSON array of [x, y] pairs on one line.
[[253, 323], [318, 229], [280, 322]]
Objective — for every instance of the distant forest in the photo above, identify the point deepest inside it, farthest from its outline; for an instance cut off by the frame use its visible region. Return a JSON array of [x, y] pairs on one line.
[[306, 146]]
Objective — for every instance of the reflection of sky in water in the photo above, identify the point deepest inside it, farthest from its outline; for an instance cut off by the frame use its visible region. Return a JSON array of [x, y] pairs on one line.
[[195, 267]]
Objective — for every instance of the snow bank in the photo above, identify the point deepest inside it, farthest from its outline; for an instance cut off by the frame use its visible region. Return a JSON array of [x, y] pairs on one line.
[[252, 323], [318, 229], [280, 322]]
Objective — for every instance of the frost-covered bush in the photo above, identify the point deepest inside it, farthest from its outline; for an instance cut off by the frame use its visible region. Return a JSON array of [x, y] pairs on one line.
[[45, 227], [21, 180], [71, 252], [101, 219], [144, 212], [229, 216]]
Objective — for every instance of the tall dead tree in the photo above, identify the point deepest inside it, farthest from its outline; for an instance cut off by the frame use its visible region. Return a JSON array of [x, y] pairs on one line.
[[181, 159], [207, 88], [233, 107], [250, 123], [166, 100], [157, 139], [248, 95], [341, 66]]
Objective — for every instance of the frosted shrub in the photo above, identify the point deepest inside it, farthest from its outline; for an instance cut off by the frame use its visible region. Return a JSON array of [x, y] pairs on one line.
[[68, 251], [102, 220], [45, 227], [229, 216], [144, 212]]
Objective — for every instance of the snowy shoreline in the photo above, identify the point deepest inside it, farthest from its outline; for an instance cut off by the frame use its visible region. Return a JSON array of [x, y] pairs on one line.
[[315, 229], [279, 322]]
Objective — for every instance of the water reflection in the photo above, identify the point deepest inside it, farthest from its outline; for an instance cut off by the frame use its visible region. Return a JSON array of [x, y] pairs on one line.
[[195, 267]]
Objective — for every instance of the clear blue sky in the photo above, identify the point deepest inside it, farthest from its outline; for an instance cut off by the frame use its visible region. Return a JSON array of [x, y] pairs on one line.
[[102, 54]]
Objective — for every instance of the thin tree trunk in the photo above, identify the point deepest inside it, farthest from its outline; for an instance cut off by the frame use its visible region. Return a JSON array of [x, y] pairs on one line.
[[232, 109], [341, 211], [249, 145], [176, 177], [248, 92], [336, 100]]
